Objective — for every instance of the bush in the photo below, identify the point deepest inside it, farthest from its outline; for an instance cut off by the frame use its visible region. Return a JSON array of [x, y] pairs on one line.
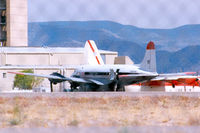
[[26, 82]]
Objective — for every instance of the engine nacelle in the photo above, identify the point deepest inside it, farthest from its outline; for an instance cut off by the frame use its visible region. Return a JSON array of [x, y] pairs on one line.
[[56, 81]]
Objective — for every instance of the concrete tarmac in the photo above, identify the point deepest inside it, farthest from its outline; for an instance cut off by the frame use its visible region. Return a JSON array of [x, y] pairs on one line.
[[101, 94], [140, 129]]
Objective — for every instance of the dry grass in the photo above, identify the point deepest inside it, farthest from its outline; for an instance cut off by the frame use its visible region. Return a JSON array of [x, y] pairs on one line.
[[113, 111]]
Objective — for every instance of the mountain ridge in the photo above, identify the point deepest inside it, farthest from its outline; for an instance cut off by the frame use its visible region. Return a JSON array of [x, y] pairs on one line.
[[126, 39]]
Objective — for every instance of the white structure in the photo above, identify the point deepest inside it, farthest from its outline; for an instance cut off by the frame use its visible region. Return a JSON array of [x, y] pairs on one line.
[[43, 61], [14, 22]]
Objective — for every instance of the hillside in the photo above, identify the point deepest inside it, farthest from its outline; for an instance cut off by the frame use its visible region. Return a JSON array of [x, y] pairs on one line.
[[177, 49], [186, 59]]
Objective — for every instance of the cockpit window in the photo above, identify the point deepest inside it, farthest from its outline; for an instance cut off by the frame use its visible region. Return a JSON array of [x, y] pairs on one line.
[[77, 73], [96, 73]]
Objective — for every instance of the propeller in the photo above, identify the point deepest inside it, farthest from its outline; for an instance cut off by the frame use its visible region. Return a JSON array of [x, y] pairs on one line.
[[117, 74], [197, 81], [55, 81], [114, 76]]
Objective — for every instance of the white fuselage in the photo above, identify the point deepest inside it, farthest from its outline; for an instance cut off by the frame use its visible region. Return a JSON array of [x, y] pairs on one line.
[[101, 73], [106, 68]]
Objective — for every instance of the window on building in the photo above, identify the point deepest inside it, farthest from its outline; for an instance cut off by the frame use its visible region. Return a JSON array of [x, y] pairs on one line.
[[3, 13], [4, 28], [3, 19], [4, 75], [3, 16]]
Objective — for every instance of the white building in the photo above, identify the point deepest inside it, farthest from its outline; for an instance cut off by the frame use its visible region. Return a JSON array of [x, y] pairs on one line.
[[43, 61]]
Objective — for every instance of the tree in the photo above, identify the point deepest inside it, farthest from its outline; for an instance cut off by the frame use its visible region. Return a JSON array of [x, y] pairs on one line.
[[26, 82]]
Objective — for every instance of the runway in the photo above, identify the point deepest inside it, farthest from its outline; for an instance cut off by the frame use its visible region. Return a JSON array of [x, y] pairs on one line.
[[101, 94], [143, 129]]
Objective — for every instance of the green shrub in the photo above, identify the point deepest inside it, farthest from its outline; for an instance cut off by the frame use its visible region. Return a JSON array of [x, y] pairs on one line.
[[26, 82]]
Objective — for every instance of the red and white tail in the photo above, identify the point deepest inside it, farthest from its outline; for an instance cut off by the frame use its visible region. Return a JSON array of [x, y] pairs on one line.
[[149, 61], [92, 55]]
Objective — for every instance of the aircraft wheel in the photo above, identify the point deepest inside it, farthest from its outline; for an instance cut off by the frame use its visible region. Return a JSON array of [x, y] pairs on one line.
[[112, 87], [173, 85], [74, 88], [85, 88], [121, 88], [115, 87]]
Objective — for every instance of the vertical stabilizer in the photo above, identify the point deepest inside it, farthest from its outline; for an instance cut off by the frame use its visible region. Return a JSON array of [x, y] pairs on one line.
[[149, 61], [92, 55]]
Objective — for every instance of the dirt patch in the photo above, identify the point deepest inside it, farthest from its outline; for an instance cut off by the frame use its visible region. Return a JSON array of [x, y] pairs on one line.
[[115, 111]]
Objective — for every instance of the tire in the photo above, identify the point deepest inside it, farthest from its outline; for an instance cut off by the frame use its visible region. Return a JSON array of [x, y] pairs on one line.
[[121, 88]]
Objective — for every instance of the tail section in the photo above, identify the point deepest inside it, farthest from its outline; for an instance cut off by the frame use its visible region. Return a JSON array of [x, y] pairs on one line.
[[149, 61], [92, 55]]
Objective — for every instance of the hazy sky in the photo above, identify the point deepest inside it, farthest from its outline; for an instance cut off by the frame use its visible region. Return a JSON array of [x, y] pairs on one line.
[[141, 13]]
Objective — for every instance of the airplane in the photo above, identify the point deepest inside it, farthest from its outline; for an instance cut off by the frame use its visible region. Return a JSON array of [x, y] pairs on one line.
[[97, 76], [171, 82]]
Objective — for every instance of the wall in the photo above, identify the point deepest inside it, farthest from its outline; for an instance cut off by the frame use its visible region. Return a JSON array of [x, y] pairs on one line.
[[41, 59], [2, 22], [17, 22], [109, 58]]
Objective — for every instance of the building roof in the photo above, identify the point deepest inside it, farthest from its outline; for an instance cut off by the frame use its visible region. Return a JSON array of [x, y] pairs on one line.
[[48, 50], [16, 67]]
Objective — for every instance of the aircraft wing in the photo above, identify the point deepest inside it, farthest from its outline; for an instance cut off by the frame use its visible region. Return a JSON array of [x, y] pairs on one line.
[[95, 82], [179, 77], [70, 79], [174, 80], [137, 75], [37, 75], [50, 76], [178, 74], [81, 80], [128, 79]]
